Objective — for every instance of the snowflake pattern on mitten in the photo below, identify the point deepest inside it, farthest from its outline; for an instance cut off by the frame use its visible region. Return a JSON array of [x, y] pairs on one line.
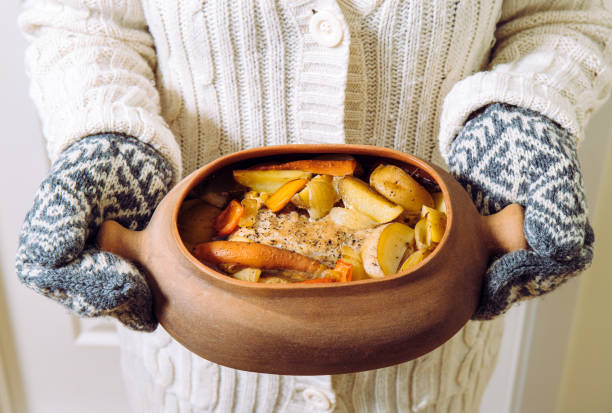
[[98, 178], [506, 154]]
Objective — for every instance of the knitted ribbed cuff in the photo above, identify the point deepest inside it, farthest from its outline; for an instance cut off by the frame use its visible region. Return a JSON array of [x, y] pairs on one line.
[[525, 274]]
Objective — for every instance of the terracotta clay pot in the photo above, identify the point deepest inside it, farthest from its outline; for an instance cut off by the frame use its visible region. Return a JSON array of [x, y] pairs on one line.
[[312, 329]]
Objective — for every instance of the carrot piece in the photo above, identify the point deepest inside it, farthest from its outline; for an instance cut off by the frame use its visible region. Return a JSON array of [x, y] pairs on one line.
[[255, 255], [335, 167], [283, 195], [227, 221], [345, 269]]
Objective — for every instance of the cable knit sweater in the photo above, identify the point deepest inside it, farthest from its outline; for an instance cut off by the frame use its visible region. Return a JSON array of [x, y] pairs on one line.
[[199, 79]]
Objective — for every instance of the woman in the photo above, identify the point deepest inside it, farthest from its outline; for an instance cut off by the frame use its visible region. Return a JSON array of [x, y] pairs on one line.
[[135, 94]]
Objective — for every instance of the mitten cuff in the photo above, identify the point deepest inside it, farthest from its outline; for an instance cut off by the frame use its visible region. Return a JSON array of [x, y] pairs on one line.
[[95, 284], [523, 274]]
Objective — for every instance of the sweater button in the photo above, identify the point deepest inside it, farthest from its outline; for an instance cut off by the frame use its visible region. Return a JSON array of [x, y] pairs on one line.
[[317, 399], [326, 29]]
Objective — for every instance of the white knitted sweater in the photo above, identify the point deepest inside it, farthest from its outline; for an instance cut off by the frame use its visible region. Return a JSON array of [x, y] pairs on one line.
[[201, 78]]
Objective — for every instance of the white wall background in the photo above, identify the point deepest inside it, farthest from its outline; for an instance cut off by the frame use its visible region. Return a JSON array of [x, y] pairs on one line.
[[46, 370], [36, 375]]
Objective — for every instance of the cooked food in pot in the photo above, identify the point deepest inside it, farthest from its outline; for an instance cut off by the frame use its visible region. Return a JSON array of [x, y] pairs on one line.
[[313, 220]]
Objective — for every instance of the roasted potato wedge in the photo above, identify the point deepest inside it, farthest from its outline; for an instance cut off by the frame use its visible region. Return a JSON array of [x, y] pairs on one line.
[[268, 181], [358, 195], [399, 187]]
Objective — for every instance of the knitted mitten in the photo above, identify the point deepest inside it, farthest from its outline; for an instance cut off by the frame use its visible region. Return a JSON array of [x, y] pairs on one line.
[[98, 178], [507, 154]]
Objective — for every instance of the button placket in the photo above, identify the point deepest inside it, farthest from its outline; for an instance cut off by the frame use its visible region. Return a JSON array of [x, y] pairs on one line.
[[326, 29], [323, 58]]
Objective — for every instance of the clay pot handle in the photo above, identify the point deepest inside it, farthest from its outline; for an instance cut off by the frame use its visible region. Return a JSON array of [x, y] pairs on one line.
[[503, 231], [112, 237]]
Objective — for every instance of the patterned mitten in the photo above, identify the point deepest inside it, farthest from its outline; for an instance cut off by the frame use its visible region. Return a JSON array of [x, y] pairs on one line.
[[98, 178], [506, 154]]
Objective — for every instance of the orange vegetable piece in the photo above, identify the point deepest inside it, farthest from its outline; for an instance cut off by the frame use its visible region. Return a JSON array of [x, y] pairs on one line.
[[334, 167], [227, 221], [283, 195], [345, 269], [255, 255]]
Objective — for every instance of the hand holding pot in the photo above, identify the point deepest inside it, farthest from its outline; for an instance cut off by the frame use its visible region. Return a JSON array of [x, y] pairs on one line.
[[507, 154], [98, 178]]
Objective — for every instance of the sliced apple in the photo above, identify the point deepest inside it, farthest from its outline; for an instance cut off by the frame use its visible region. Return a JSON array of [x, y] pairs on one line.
[[321, 196], [268, 181], [350, 218], [420, 235], [436, 223], [350, 256], [259, 197], [358, 195], [369, 253], [248, 274], [251, 207], [273, 280], [393, 242], [399, 187], [300, 199], [413, 259], [383, 249], [439, 204]]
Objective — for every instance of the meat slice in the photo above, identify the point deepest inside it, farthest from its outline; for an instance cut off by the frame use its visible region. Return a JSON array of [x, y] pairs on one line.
[[321, 240]]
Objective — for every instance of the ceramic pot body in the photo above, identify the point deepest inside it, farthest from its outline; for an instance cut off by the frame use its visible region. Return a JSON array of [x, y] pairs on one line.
[[313, 329]]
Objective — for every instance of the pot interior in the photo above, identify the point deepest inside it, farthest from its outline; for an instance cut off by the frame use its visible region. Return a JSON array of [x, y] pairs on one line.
[[218, 175]]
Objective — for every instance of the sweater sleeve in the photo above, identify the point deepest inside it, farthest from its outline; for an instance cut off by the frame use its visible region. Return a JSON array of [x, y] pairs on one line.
[[91, 66], [551, 58]]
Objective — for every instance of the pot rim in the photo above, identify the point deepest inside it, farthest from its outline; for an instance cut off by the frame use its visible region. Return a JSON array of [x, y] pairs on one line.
[[301, 149]]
